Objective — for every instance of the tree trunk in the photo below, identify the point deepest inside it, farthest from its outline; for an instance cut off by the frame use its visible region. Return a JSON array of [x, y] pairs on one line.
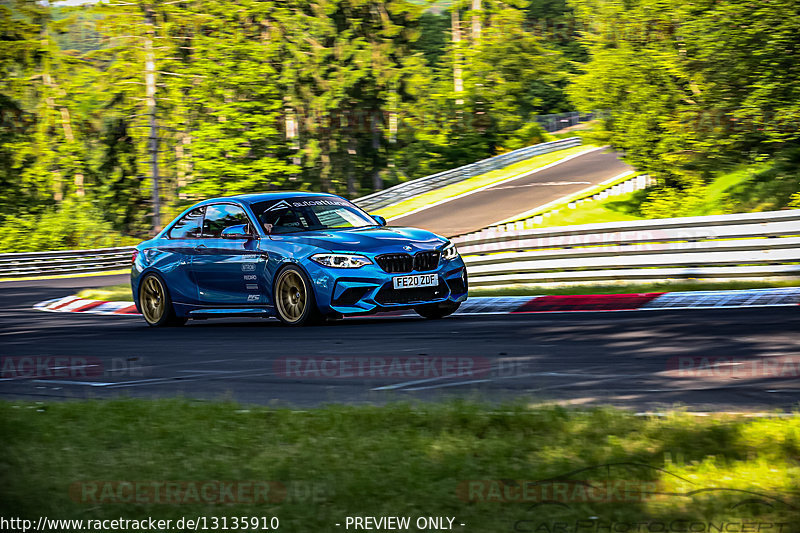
[[66, 125], [292, 134], [352, 187], [183, 163], [377, 181], [458, 83], [150, 84], [476, 21]]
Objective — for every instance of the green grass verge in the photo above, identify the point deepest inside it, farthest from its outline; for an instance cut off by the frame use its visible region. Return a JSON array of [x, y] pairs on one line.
[[398, 460], [762, 186], [633, 288], [615, 209], [562, 204], [490, 178], [110, 293]]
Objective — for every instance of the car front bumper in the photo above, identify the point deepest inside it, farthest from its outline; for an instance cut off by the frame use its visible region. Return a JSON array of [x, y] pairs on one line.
[[369, 289]]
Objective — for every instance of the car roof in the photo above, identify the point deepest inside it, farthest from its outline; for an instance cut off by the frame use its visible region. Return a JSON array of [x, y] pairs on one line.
[[278, 195]]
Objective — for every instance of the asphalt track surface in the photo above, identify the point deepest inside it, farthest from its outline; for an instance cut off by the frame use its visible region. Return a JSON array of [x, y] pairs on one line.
[[504, 200], [619, 358]]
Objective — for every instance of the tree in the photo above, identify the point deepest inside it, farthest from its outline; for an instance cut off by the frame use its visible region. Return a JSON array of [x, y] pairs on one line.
[[141, 107], [43, 153], [690, 88]]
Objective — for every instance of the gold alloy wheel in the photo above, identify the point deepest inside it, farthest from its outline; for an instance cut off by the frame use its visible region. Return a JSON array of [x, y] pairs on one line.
[[152, 299], [291, 296]]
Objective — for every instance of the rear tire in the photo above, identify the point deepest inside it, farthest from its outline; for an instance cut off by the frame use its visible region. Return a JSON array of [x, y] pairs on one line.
[[293, 295], [436, 311], [155, 303]]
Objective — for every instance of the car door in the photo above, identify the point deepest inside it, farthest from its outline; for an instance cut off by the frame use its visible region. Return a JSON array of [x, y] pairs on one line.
[[173, 256], [228, 272]]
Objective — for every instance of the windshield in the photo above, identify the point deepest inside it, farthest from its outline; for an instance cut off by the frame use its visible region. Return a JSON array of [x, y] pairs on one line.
[[310, 213]]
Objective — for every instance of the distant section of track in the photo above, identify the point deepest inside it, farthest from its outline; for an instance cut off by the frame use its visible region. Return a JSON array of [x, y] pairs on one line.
[[634, 360], [504, 200]]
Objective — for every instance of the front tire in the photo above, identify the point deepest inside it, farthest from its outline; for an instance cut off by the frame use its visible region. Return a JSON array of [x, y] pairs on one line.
[[436, 311], [295, 304], [155, 303]]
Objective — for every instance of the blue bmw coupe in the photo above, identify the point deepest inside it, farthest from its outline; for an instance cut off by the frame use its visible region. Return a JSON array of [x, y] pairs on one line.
[[300, 257]]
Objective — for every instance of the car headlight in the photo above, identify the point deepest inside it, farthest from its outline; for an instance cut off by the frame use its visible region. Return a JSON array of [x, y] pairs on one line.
[[341, 260], [450, 251]]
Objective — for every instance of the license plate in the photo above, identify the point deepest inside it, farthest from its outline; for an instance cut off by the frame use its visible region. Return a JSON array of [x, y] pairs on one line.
[[417, 280]]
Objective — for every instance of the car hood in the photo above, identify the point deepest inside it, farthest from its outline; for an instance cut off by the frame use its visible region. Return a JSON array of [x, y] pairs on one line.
[[374, 240]]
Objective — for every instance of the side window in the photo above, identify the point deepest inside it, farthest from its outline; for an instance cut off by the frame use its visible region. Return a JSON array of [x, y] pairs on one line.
[[188, 227], [220, 216]]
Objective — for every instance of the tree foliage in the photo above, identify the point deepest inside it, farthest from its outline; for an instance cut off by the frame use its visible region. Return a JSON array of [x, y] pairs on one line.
[[345, 96], [349, 96], [692, 87]]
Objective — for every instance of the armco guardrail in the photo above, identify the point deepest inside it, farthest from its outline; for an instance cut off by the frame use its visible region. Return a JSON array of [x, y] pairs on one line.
[[725, 246], [558, 121], [64, 262], [408, 189]]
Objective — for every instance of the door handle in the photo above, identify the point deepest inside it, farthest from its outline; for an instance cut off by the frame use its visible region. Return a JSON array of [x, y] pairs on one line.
[[200, 247]]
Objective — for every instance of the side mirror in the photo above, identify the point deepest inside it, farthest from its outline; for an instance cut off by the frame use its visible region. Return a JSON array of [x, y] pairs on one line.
[[379, 219], [240, 231]]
